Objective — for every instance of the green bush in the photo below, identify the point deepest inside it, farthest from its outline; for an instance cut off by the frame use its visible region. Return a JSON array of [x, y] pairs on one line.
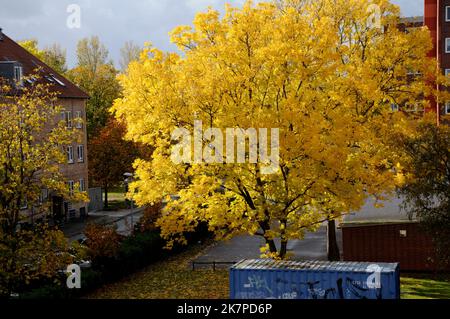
[[135, 252], [49, 291]]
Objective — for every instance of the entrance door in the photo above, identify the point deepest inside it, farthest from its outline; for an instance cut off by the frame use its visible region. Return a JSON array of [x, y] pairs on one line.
[[58, 208]]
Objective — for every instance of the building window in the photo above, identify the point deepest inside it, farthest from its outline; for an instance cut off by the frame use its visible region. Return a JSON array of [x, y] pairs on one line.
[[71, 187], [18, 74], [447, 13], [447, 108], [69, 119], [79, 119], [43, 197], [447, 72], [414, 107], [70, 154], [80, 151], [394, 107], [447, 45], [82, 185]]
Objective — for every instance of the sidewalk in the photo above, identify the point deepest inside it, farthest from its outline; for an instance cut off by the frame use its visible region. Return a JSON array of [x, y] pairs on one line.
[[74, 230]]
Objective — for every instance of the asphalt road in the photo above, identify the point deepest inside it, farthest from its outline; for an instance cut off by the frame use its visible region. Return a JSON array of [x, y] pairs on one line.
[[123, 219], [313, 247]]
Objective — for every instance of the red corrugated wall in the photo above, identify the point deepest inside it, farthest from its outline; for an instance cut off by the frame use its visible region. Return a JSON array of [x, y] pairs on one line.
[[383, 243]]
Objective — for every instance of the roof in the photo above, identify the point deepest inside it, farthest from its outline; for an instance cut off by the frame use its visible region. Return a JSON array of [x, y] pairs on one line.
[[327, 266], [391, 212], [419, 20], [12, 51]]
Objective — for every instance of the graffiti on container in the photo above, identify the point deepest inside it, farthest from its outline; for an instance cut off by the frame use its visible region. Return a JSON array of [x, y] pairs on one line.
[[354, 290], [319, 293], [258, 288], [259, 283]]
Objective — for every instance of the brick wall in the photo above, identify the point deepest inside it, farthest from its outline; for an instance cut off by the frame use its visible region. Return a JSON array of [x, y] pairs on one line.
[[76, 171]]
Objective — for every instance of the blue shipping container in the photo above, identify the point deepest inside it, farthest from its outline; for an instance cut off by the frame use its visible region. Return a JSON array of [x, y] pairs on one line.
[[268, 279]]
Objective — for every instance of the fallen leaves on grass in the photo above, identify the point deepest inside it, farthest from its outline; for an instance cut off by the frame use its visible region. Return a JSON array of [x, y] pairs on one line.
[[170, 279]]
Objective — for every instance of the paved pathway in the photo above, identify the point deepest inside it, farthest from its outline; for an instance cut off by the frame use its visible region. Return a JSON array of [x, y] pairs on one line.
[[313, 247], [124, 219]]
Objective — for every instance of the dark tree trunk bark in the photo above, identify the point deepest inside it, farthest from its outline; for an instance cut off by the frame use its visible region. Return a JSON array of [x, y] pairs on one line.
[[283, 249], [332, 245], [272, 246]]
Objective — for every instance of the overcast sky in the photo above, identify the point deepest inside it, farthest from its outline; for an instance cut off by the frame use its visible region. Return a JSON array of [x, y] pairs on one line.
[[114, 21]]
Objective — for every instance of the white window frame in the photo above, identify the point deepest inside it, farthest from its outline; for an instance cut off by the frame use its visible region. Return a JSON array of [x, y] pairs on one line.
[[78, 116], [447, 108], [82, 185], [80, 158], [447, 13], [70, 155], [18, 74], [71, 185], [447, 72], [69, 119], [447, 45], [43, 197]]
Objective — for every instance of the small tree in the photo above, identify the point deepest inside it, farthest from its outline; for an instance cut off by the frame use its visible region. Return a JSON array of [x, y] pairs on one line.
[[110, 156], [427, 190], [31, 151], [103, 242]]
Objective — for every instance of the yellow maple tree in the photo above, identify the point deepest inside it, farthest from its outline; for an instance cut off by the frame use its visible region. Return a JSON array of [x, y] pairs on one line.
[[325, 73]]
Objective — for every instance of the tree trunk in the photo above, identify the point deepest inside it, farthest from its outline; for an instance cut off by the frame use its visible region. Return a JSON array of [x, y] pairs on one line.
[[332, 245], [272, 246], [283, 249], [106, 197]]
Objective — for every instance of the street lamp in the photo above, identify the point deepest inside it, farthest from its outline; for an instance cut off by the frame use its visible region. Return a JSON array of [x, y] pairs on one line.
[[128, 179]]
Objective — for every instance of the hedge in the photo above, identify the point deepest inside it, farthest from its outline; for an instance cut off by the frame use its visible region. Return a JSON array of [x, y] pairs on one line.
[[135, 253]]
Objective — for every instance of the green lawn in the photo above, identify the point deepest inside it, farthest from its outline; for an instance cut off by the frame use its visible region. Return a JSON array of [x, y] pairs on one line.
[[116, 198], [116, 194], [425, 286]]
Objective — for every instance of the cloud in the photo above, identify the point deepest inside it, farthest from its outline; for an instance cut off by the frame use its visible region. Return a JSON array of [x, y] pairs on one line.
[[114, 21]]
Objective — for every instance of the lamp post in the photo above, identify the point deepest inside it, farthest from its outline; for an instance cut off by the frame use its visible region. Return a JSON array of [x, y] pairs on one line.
[[128, 179]]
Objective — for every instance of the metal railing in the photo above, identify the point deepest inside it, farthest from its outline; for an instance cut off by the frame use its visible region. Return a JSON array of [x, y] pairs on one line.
[[213, 263]]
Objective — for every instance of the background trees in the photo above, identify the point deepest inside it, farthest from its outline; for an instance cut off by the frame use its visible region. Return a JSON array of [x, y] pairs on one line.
[[96, 75], [427, 190], [128, 53], [54, 56], [111, 157], [318, 71]]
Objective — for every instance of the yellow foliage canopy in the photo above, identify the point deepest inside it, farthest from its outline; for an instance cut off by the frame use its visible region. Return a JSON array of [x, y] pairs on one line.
[[318, 71]]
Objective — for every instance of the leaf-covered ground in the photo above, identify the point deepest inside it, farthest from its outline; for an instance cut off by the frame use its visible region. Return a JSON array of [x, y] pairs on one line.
[[174, 279], [170, 279]]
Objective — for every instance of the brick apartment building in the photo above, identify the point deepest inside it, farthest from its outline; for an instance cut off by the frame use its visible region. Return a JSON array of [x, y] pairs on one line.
[[16, 62], [437, 20]]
